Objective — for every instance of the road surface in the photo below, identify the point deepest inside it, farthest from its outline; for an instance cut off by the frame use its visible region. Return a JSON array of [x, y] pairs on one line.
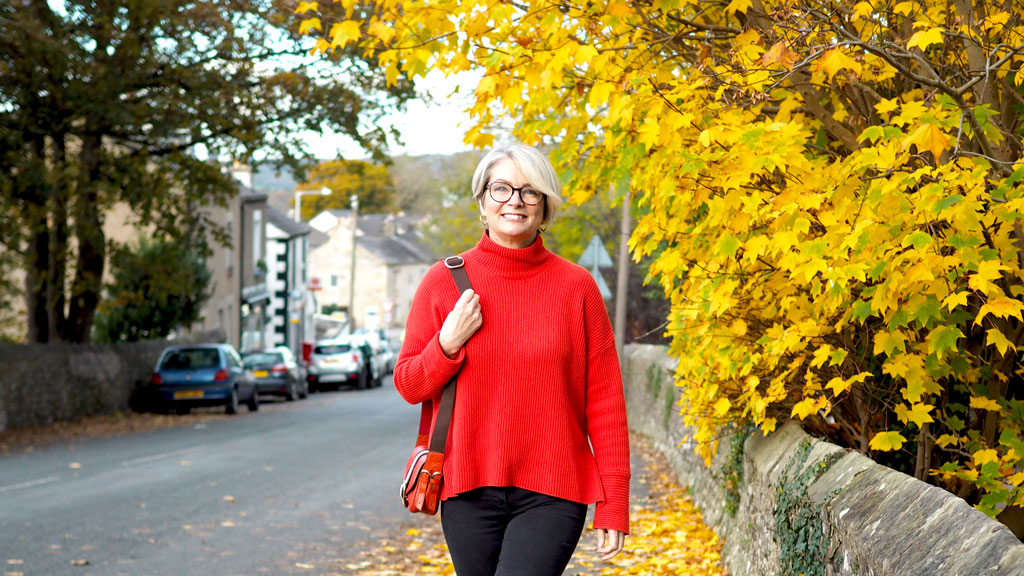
[[272, 492]]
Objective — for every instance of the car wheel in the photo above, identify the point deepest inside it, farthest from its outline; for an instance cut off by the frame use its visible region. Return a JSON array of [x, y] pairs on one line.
[[254, 402], [232, 405], [291, 394], [363, 381]]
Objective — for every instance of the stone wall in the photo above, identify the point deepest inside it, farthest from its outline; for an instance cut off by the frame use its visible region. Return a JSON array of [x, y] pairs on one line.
[[803, 506], [45, 383]]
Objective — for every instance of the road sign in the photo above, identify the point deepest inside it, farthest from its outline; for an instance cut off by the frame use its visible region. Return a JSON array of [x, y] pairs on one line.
[[595, 256], [606, 292]]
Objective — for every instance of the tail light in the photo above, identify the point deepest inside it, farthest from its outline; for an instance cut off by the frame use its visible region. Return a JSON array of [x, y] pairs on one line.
[[221, 375], [355, 358], [279, 369], [156, 379]]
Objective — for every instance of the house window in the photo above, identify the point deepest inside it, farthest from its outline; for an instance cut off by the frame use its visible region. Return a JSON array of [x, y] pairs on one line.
[[257, 237], [334, 280]]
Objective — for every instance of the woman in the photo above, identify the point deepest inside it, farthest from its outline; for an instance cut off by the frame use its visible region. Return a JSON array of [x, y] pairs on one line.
[[538, 385]]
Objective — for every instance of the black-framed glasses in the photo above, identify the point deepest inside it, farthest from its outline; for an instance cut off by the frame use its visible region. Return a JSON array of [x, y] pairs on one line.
[[502, 192]]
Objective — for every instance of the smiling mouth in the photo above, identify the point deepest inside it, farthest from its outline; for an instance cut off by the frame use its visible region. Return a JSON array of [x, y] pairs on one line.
[[517, 217]]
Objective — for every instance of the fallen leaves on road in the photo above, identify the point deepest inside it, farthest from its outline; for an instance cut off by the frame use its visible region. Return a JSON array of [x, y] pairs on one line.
[[116, 424]]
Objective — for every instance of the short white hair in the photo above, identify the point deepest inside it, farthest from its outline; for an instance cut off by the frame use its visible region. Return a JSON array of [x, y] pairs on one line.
[[534, 165]]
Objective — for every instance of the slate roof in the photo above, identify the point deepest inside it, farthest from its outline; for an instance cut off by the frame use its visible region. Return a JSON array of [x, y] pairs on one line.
[[286, 224], [400, 249]]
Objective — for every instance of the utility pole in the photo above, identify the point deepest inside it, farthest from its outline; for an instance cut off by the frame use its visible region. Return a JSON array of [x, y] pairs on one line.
[[352, 271], [622, 282]]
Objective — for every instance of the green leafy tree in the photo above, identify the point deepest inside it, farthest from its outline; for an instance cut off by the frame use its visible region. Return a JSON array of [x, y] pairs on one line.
[[158, 286], [130, 101]]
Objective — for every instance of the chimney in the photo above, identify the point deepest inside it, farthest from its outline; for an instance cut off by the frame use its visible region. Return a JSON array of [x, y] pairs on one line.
[[243, 173]]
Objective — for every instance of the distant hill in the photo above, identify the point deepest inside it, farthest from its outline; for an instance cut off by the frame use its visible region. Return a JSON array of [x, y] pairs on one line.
[[420, 181]]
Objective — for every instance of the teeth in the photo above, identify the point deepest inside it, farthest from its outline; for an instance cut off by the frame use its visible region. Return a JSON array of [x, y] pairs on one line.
[[514, 216]]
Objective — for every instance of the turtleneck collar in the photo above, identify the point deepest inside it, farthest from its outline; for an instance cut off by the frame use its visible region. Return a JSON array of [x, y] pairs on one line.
[[512, 262]]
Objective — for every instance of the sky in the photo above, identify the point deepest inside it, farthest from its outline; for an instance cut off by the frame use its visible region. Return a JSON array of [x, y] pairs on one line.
[[434, 128]]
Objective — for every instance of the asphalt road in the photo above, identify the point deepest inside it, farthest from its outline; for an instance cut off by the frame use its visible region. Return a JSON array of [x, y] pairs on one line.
[[272, 492]]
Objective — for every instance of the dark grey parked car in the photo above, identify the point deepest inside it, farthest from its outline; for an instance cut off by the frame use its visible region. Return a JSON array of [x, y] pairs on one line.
[[202, 375], [277, 373]]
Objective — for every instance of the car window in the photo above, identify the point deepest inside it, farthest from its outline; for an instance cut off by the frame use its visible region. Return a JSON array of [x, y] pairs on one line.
[[262, 358], [327, 349], [191, 359]]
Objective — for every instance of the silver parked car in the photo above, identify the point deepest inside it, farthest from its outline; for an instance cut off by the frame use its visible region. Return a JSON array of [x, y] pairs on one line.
[[337, 363]]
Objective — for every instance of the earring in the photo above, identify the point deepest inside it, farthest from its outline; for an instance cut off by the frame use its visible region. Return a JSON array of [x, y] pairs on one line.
[[543, 226], [483, 220]]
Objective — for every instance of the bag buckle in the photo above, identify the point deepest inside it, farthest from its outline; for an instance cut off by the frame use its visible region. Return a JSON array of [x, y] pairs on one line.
[[453, 262]]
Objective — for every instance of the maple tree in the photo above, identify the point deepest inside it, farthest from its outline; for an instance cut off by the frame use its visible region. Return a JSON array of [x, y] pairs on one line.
[[369, 181], [830, 191]]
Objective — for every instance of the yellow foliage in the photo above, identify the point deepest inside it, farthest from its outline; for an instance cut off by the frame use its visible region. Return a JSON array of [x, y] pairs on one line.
[[782, 190]]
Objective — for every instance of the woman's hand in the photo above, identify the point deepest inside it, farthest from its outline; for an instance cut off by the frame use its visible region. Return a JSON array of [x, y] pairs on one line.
[[609, 543], [461, 323]]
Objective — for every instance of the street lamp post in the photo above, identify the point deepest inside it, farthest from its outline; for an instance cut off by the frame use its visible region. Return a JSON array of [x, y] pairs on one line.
[[325, 191], [352, 271]]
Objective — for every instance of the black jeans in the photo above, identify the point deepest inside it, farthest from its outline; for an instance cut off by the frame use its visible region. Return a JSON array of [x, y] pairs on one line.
[[511, 532]]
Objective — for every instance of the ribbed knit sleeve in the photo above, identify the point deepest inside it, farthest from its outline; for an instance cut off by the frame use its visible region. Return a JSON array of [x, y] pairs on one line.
[[423, 369], [606, 415]]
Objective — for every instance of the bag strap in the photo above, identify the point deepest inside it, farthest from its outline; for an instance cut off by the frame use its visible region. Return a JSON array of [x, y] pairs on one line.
[[439, 437]]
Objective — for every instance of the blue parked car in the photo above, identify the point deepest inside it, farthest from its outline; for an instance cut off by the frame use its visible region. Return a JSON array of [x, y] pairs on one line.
[[203, 375]]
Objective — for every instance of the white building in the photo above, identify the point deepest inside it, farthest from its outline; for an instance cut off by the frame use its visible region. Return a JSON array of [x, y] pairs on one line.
[[291, 309]]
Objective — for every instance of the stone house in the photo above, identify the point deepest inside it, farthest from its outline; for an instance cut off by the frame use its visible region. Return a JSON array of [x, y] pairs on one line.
[[390, 260]]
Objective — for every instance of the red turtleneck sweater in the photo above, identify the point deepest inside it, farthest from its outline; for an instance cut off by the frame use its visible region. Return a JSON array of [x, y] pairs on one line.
[[539, 383]]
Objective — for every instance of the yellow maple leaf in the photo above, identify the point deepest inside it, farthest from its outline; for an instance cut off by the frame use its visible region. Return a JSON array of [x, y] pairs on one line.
[[984, 403], [887, 441], [619, 9], [861, 10], [946, 440], [344, 32], [984, 456], [805, 408], [889, 342], [835, 60], [306, 7], [740, 6], [918, 414], [925, 38], [838, 385], [309, 25], [886, 105], [382, 31], [779, 53], [957, 299], [928, 137], [988, 270], [1001, 307], [995, 337]]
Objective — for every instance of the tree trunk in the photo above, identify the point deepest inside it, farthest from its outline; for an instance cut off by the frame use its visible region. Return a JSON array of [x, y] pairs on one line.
[[57, 265], [89, 263], [37, 256]]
